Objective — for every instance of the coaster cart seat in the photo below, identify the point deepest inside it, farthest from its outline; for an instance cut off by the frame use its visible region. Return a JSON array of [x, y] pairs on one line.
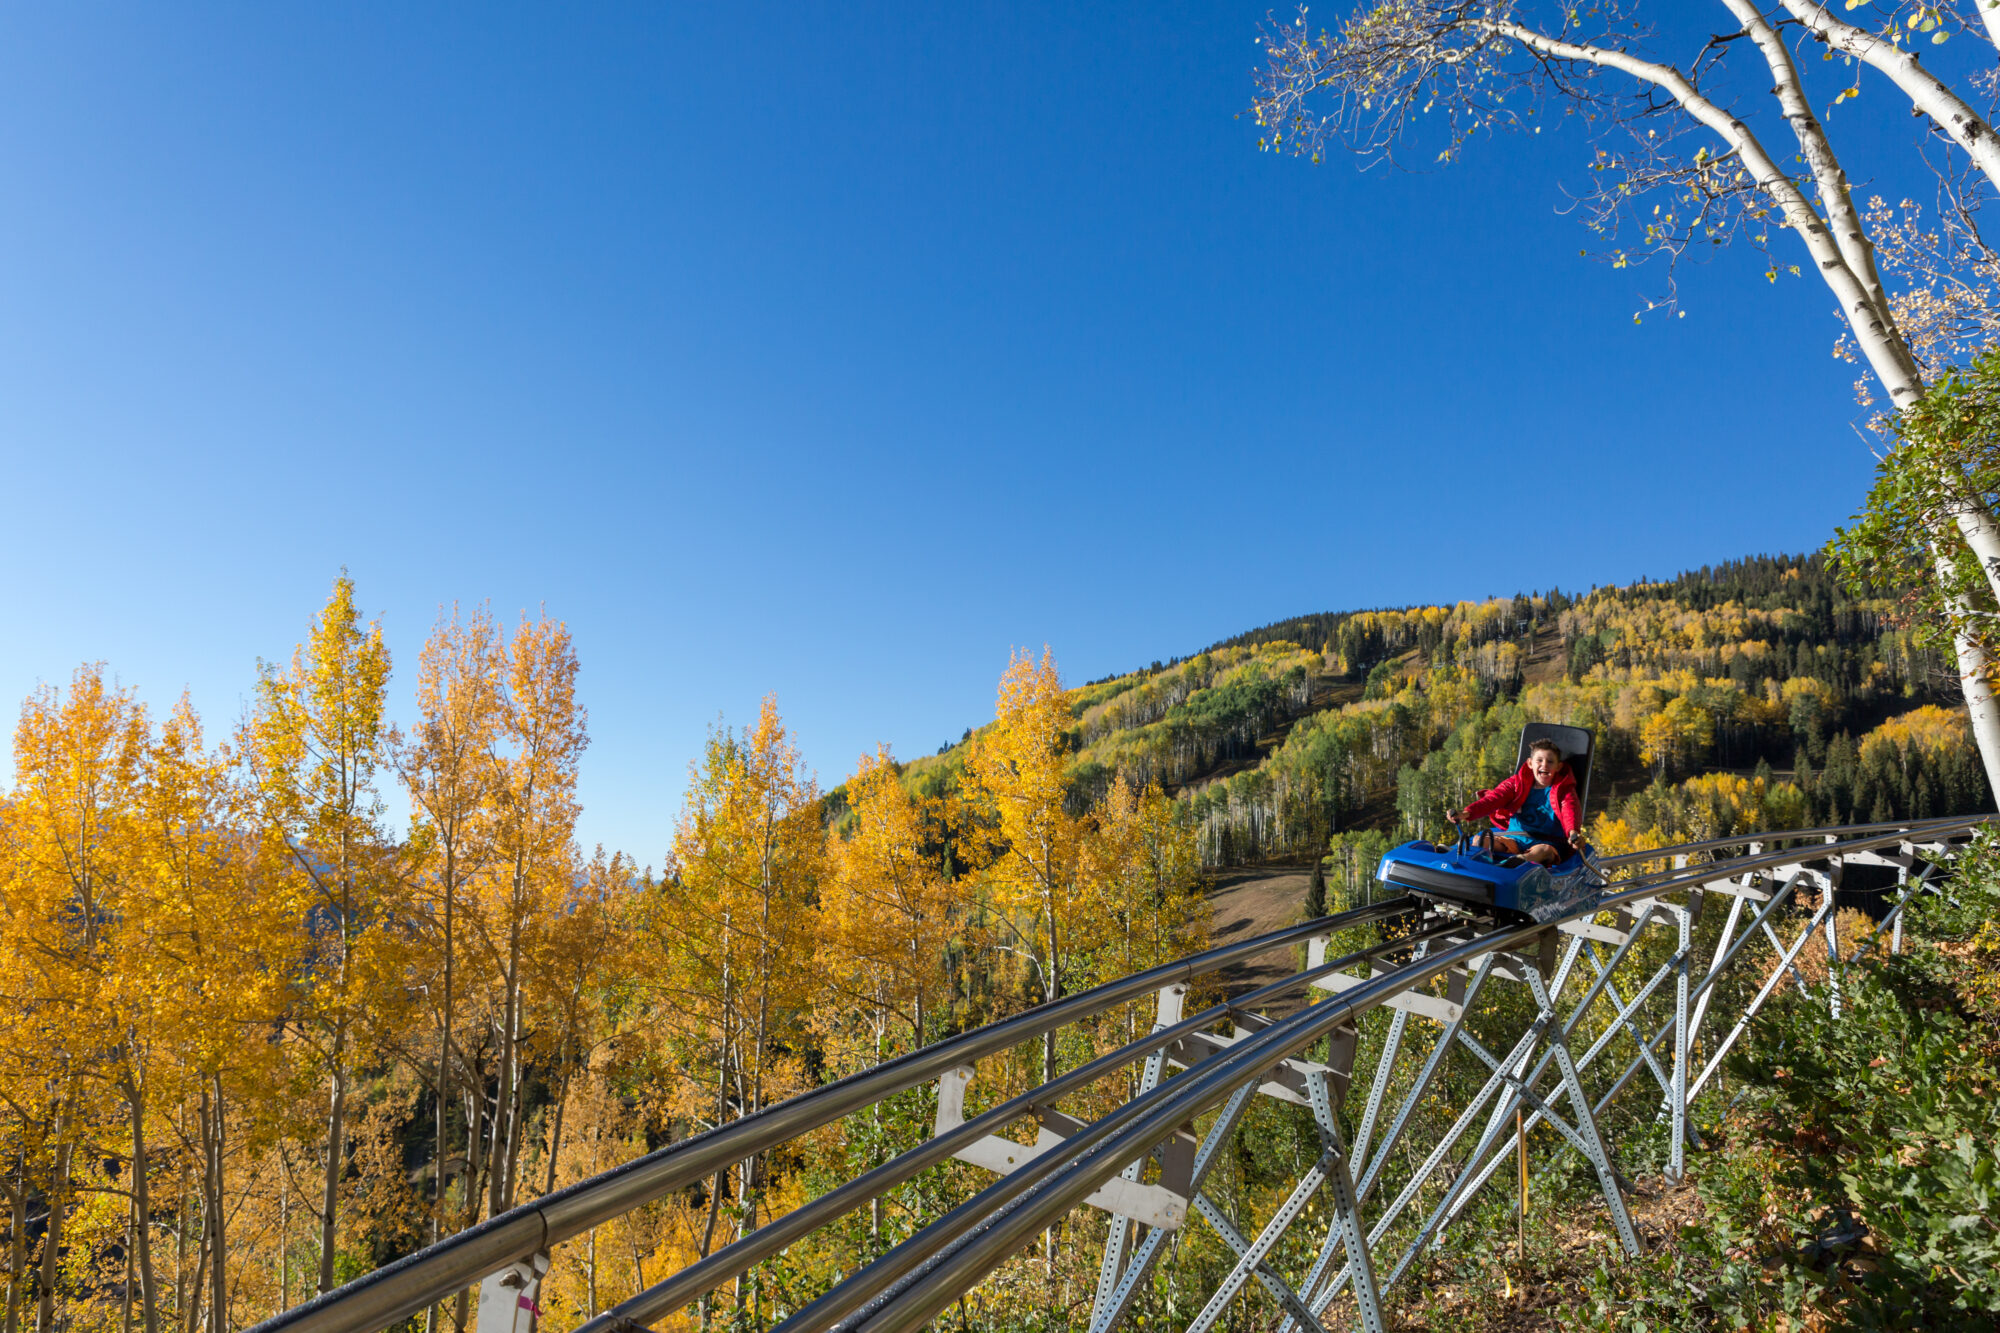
[[1508, 888]]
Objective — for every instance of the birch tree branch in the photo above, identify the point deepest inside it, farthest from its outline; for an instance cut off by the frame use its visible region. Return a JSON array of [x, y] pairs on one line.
[[1843, 219], [1927, 93], [1877, 338]]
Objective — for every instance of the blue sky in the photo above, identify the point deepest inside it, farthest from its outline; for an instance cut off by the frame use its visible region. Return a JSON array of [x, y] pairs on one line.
[[827, 352]]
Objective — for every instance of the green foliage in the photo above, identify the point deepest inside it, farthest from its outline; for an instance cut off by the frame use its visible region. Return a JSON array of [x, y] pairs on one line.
[[1946, 457], [1856, 1178], [1349, 868]]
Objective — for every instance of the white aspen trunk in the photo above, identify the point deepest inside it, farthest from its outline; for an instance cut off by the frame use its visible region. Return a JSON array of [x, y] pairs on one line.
[[444, 1044], [1051, 986], [556, 1134], [505, 1097], [197, 1310], [752, 1174], [1982, 534], [461, 1306], [515, 1136], [218, 1301], [181, 1228], [1927, 92], [1975, 678], [1843, 220], [142, 1207], [131, 1276], [1989, 14], [17, 1246], [52, 1238], [336, 1151]]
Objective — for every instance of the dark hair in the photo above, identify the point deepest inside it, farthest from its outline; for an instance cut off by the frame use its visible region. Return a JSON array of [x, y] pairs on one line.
[[1546, 744]]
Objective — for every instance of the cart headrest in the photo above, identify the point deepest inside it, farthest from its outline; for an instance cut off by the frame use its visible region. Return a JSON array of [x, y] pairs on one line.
[[1577, 744]]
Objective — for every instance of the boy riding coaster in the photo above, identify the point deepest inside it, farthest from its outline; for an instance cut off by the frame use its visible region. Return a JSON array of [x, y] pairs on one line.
[[1535, 814]]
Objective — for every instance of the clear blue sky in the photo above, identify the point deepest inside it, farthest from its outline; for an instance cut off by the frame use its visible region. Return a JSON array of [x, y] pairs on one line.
[[827, 351]]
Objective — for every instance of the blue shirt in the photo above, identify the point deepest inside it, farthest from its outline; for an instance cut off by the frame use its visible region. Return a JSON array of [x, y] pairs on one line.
[[1536, 820]]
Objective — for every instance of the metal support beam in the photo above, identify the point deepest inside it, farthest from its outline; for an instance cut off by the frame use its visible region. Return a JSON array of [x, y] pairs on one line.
[[1107, 1311]]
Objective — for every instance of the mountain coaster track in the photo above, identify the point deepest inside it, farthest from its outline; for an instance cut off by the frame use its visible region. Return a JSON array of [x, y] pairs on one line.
[[1228, 1054]]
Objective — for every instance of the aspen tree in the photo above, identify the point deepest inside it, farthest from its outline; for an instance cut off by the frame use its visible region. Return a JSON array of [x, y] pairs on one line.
[[185, 836], [573, 973], [77, 758], [542, 736], [886, 907], [733, 918], [449, 768], [208, 947], [1146, 868], [885, 919], [1034, 862], [316, 742]]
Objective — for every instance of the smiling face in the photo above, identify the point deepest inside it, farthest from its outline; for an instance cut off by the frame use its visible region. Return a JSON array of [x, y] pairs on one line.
[[1543, 764]]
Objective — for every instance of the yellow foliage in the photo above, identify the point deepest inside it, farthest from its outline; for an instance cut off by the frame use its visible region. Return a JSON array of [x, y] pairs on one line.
[[886, 907], [1938, 730], [734, 919], [1802, 687], [1680, 733]]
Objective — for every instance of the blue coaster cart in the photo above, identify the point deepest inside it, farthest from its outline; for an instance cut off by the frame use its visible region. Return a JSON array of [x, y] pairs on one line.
[[1489, 883]]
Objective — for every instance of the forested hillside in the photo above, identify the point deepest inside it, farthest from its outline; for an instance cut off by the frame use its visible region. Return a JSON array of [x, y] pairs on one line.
[[1750, 694], [260, 1039]]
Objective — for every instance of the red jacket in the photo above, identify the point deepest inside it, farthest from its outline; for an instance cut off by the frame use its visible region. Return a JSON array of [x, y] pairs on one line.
[[1506, 799]]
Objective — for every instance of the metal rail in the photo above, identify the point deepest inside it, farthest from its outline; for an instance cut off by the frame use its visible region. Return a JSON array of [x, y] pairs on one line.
[[912, 1282], [401, 1289], [1064, 1177]]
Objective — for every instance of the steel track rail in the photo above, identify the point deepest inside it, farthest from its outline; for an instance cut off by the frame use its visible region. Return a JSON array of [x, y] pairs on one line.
[[408, 1285], [968, 1214], [401, 1289], [1066, 1174]]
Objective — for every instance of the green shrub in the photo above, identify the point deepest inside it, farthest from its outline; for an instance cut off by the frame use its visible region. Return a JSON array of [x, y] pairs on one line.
[[1858, 1170]]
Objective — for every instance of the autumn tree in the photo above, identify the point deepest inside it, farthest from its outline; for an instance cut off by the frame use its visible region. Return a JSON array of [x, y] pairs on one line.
[[208, 944], [732, 920], [541, 735], [78, 758], [886, 906], [1723, 144], [449, 767], [1145, 866], [1675, 736], [578, 981], [1029, 848], [316, 744]]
